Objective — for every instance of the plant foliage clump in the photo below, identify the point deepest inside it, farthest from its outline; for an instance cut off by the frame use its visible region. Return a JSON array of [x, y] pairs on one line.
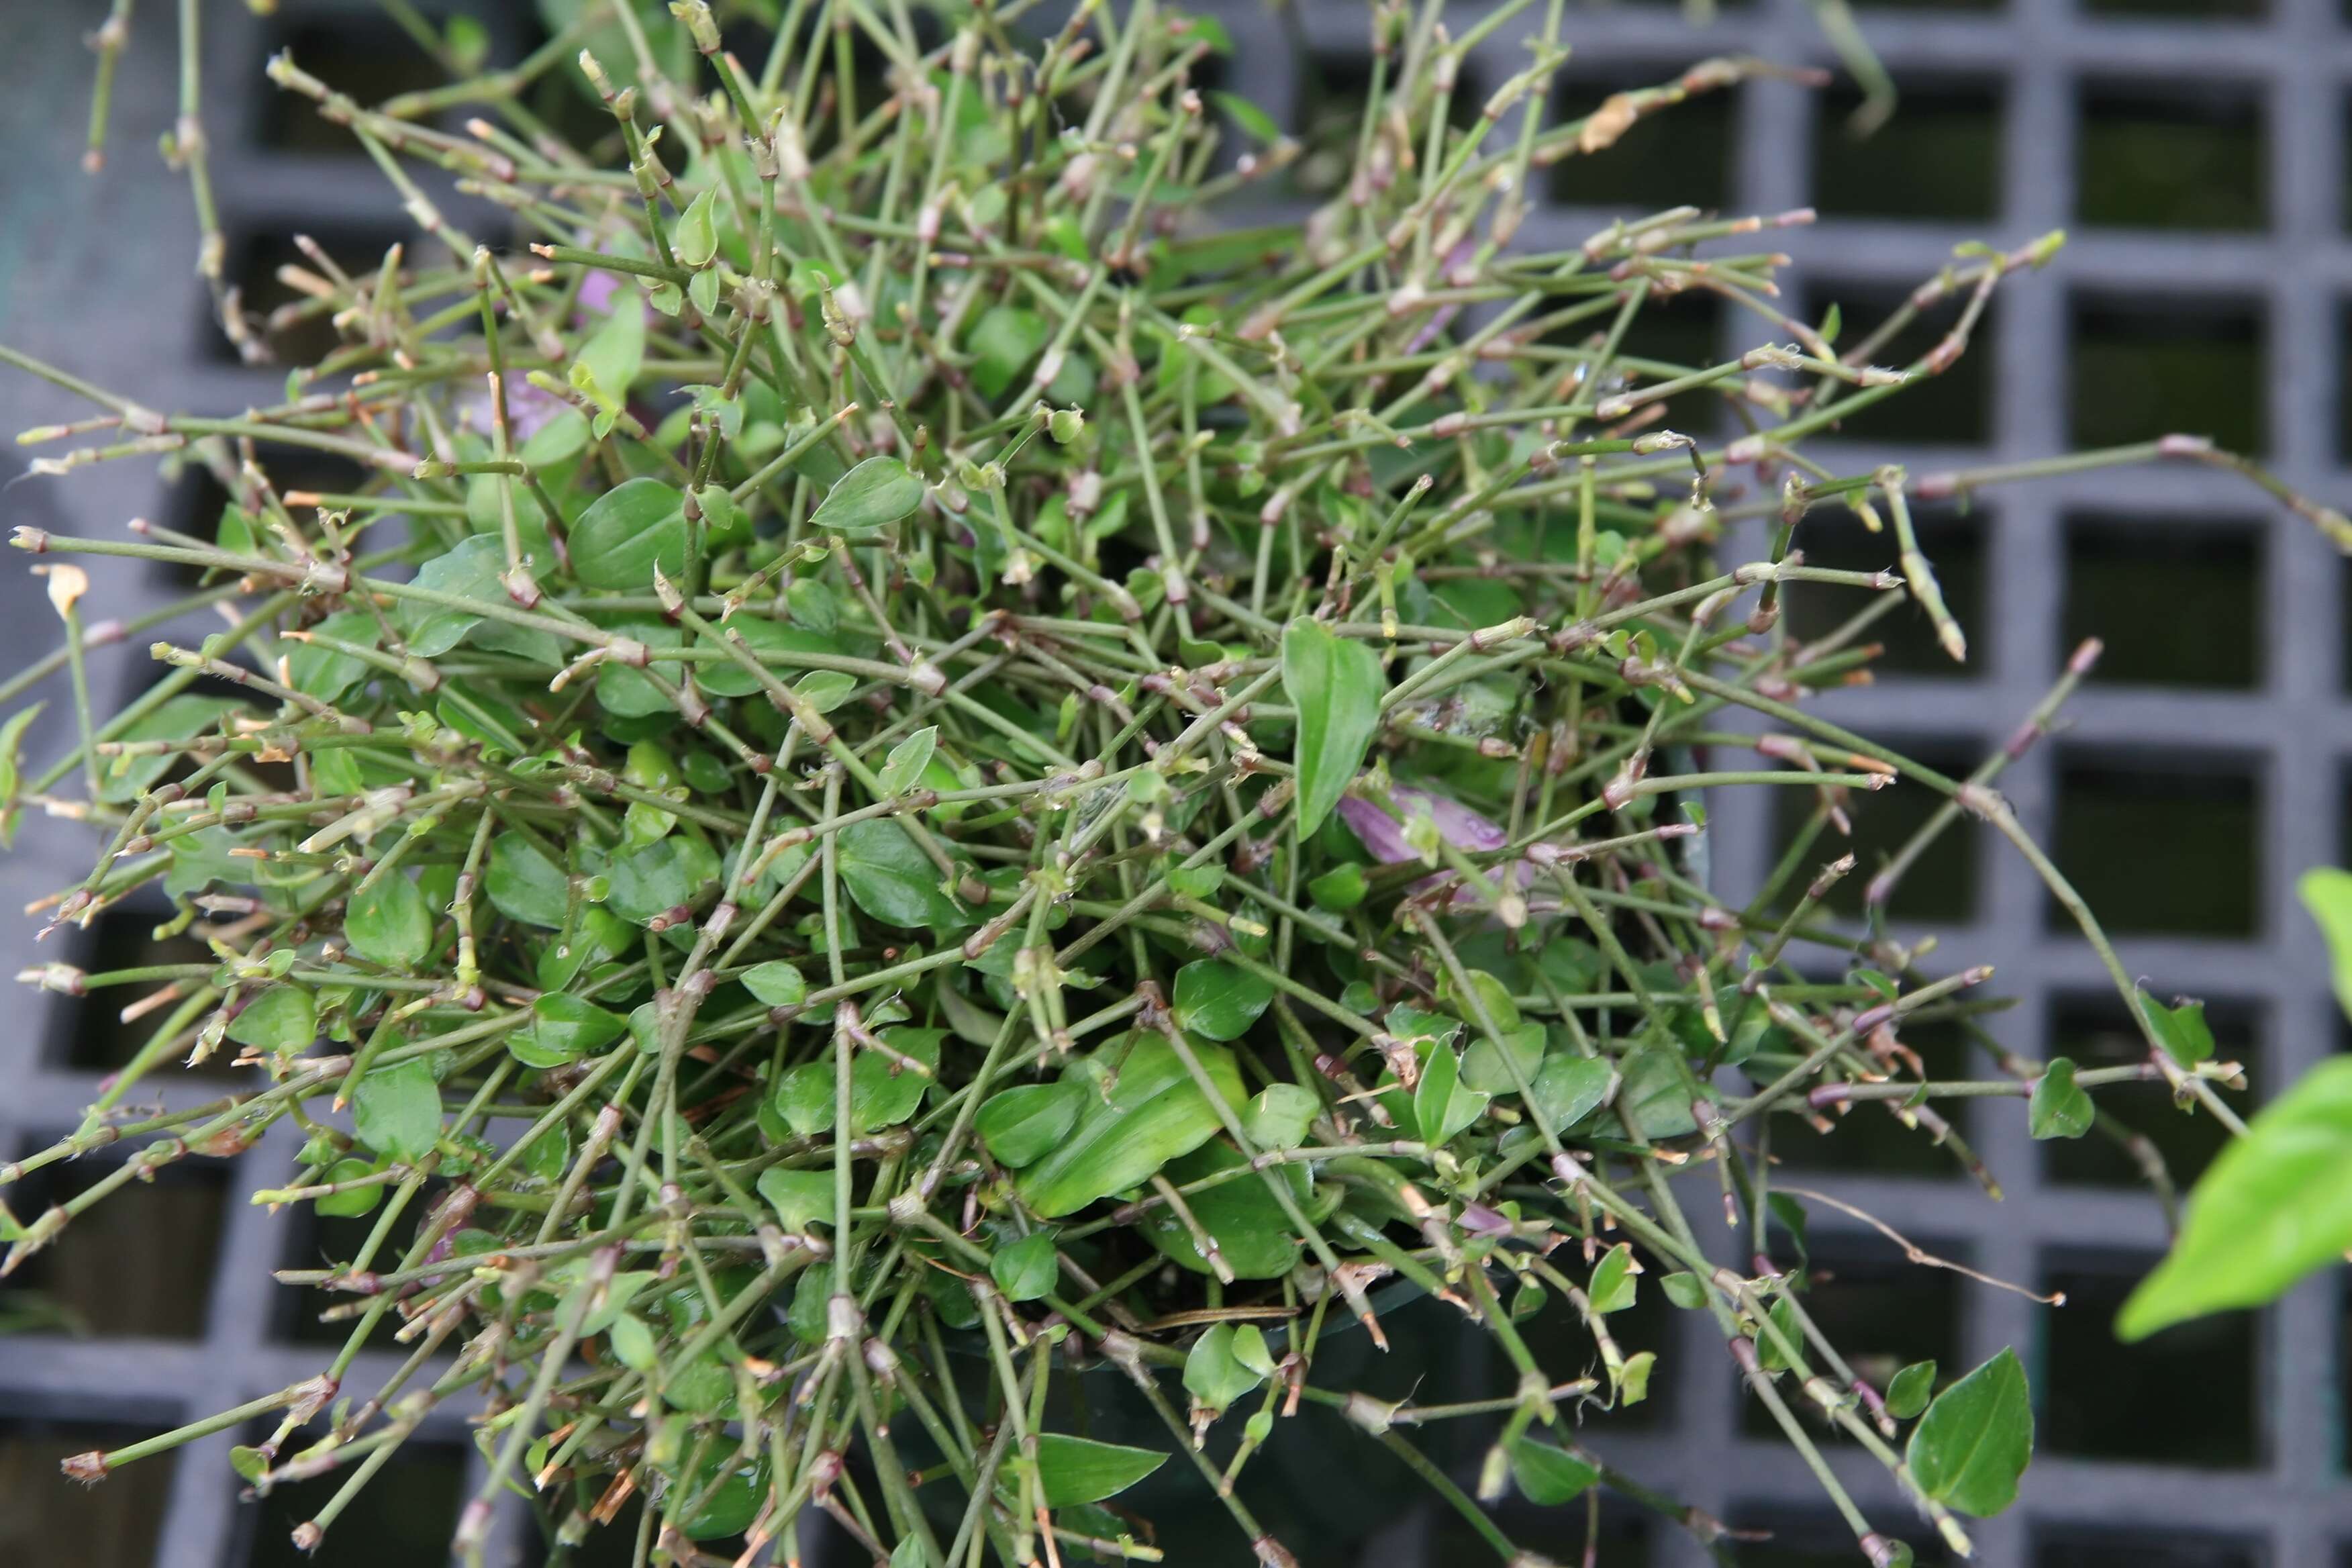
[[918, 785]]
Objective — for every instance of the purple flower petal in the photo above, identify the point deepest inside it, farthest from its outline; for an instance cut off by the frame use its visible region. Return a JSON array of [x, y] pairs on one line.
[[1383, 834]]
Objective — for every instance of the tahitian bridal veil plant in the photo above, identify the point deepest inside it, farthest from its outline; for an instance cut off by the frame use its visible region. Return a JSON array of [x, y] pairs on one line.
[[935, 841]]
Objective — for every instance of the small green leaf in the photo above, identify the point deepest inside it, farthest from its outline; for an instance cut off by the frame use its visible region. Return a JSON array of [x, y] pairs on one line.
[[1612, 1285], [883, 1092], [1280, 1114], [523, 883], [619, 349], [632, 528], [396, 1110], [1909, 1392], [1336, 683], [2187, 1038], [1548, 1475], [359, 1200], [776, 983], [1783, 1316], [1656, 1094], [1019, 1125], [1685, 1290], [2060, 1107], [280, 1020], [1214, 1375], [1485, 1068], [1254, 122], [1074, 1470], [1968, 1450], [695, 240], [1633, 1378], [250, 1464], [2274, 1206], [876, 493], [1153, 1112], [389, 924], [904, 767], [1441, 1106], [571, 1028], [1003, 344], [1340, 889], [1219, 1001], [801, 1198], [633, 1344], [890, 877], [1026, 1270], [2326, 893], [1567, 1087]]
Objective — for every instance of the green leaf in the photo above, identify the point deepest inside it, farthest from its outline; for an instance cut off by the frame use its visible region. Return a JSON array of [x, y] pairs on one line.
[[1567, 1087], [1493, 997], [1968, 1450], [890, 877], [657, 877], [1909, 1392], [1655, 1095], [1218, 1000], [776, 983], [1485, 1068], [1213, 1375], [730, 1504], [1336, 684], [1026, 1270], [2060, 1107], [2326, 893], [1019, 1125], [882, 1092], [1633, 1379], [359, 1200], [1004, 342], [1241, 1214], [695, 238], [877, 492], [523, 883], [1612, 1285], [389, 924], [618, 351], [1685, 1290], [1152, 1113], [904, 767], [468, 571], [2274, 1206], [633, 1344], [1340, 889], [250, 1464], [1280, 1114], [626, 532], [323, 672], [801, 1198], [2187, 1038], [1254, 122], [1441, 1105], [1783, 1316], [571, 1028], [396, 1110], [1547, 1475], [1074, 1470], [282, 1019]]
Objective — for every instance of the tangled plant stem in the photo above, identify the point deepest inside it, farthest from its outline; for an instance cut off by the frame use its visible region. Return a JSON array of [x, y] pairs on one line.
[[960, 780]]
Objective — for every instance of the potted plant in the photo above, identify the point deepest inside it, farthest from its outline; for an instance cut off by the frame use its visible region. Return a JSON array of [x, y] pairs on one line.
[[943, 844]]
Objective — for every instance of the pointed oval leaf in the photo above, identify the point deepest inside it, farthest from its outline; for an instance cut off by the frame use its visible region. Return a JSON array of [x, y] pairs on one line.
[[626, 533], [1213, 1375], [281, 1019], [396, 1110], [1336, 684], [1973, 1444], [801, 1198], [389, 924], [1548, 1475], [876, 493], [903, 768], [1218, 1000], [2274, 1205], [890, 877], [1154, 1112], [1019, 1125], [1027, 1268], [1074, 1470], [776, 983], [2060, 1107], [1913, 1387], [695, 236]]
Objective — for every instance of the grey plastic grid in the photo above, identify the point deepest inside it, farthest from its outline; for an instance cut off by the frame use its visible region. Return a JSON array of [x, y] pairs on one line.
[[2261, 755]]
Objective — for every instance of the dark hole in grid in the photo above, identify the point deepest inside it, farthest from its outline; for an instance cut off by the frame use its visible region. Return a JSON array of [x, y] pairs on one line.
[[1940, 886], [402, 1517], [2182, 10], [200, 498], [1812, 1538], [2145, 367], [2344, 352], [364, 56], [1954, 543], [1939, 157], [1675, 155], [115, 1526], [1333, 85], [1951, 409], [88, 1033], [1870, 1138], [305, 332], [2183, 1396], [1557, 1534], [2096, 1032], [2183, 154], [2085, 1546], [314, 1240], [1679, 333], [136, 1265], [2160, 845], [2210, 576], [1882, 1312]]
